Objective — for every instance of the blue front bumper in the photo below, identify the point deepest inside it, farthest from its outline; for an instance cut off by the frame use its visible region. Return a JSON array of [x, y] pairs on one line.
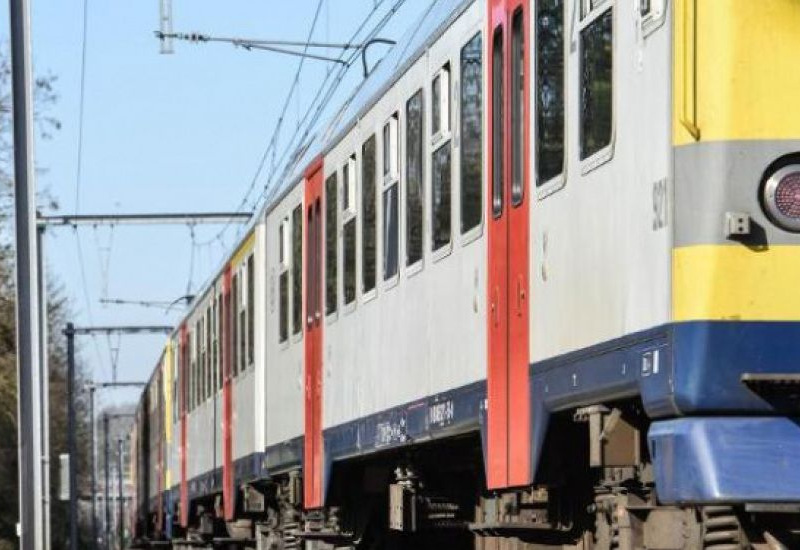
[[726, 459]]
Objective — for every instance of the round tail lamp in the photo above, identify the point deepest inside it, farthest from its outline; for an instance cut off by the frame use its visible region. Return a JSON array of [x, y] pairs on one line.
[[782, 197]]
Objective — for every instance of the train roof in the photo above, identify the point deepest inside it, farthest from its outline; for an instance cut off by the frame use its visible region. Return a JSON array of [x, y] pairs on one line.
[[409, 48]]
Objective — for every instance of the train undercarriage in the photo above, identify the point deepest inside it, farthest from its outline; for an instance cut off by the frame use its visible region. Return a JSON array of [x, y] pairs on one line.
[[595, 491]]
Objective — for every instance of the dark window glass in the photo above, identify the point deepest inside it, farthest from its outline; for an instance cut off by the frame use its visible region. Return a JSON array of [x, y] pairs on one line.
[[330, 243], [235, 328], [251, 301], [283, 313], [596, 82], [369, 220], [346, 187], [198, 346], [436, 105], [517, 108], [386, 148], [390, 231], [219, 338], [208, 355], [414, 178], [498, 138], [311, 259], [549, 90], [440, 197], [297, 270], [349, 247], [214, 344], [471, 133], [317, 259]]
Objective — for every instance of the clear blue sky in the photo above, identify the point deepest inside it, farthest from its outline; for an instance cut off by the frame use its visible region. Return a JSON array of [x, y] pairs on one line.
[[181, 132]]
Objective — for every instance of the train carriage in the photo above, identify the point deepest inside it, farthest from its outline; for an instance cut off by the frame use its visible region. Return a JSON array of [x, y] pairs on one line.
[[533, 287]]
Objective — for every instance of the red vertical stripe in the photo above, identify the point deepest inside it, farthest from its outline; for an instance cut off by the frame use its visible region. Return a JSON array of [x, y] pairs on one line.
[[508, 437], [313, 322]]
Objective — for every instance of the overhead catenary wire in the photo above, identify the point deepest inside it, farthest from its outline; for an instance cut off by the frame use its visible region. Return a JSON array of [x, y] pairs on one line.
[[276, 130], [79, 168], [270, 186]]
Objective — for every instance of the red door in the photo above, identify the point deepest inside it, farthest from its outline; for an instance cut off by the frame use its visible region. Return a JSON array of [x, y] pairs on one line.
[[508, 449], [228, 501], [313, 451]]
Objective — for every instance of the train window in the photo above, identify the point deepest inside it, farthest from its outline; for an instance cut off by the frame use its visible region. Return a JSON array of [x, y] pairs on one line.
[[218, 335], [596, 82], [471, 133], [251, 304], [207, 352], [440, 103], [243, 319], [283, 282], [349, 185], [440, 197], [517, 108], [331, 267], [233, 315], [440, 159], [297, 270], [203, 359], [193, 371], [390, 198], [390, 151], [349, 248], [414, 177], [173, 350], [549, 90], [369, 220], [349, 230], [390, 231], [498, 134], [214, 344]]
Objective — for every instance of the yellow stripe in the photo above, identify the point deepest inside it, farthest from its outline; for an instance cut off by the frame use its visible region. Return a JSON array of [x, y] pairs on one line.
[[747, 72], [733, 282], [244, 250]]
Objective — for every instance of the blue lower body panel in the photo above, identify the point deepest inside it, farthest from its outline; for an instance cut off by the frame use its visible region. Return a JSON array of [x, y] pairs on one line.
[[726, 459]]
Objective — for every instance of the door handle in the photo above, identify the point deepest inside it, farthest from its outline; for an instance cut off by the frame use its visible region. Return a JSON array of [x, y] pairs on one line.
[[496, 307], [520, 295]]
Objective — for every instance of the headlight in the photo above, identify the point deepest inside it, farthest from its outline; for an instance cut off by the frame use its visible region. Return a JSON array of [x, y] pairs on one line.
[[782, 197]]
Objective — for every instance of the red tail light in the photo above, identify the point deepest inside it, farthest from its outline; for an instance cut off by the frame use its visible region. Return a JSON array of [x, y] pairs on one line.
[[782, 197]]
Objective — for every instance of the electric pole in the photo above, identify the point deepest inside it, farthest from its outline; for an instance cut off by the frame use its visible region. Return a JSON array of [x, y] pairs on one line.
[[70, 332], [31, 529]]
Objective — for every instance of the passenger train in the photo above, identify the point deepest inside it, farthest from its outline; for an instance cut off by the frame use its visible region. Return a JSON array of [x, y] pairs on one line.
[[534, 286]]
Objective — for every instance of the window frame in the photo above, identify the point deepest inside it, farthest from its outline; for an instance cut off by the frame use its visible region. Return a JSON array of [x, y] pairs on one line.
[[284, 264], [411, 269], [654, 18], [473, 233], [389, 180], [367, 295], [596, 10], [330, 317], [349, 212], [436, 142], [556, 183], [296, 336], [250, 308]]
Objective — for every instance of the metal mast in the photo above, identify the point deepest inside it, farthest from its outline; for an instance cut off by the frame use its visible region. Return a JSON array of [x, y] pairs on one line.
[[29, 413]]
